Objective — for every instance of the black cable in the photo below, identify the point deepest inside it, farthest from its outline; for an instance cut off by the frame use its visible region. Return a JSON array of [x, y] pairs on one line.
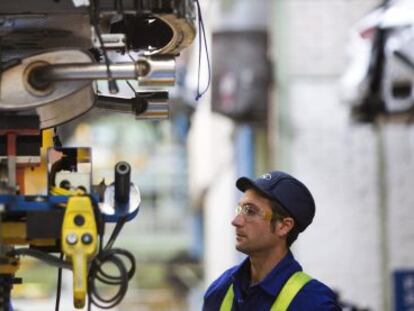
[[56, 140], [49, 259], [115, 232], [59, 285], [97, 273], [404, 58], [202, 38], [129, 84], [113, 256], [101, 232], [130, 56], [94, 16]]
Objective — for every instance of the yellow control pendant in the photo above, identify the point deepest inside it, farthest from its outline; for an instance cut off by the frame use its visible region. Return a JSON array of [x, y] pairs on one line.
[[79, 243]]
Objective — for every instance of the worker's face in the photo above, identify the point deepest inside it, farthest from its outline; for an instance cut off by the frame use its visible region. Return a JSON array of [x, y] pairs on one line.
[[254, 232]]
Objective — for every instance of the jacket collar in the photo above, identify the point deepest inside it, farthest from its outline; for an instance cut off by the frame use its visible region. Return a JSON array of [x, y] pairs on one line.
[[272, 283]]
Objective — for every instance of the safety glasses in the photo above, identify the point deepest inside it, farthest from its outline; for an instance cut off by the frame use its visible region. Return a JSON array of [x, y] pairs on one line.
[[251, 212]]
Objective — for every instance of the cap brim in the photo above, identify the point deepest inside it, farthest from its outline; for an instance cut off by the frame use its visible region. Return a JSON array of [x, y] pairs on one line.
[[244, 183]]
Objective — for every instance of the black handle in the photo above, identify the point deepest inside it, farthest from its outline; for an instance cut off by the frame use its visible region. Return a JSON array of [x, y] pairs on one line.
[[122, 181]]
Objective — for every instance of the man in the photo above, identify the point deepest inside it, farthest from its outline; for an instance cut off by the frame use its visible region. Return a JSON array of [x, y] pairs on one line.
[[273, 210]]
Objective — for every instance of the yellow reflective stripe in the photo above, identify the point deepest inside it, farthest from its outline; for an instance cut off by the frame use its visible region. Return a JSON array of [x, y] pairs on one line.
[[293, 285], [228, 300], [289, 291]]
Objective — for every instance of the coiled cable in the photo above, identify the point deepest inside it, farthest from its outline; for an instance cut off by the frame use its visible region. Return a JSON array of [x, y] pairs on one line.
[[115, 257]]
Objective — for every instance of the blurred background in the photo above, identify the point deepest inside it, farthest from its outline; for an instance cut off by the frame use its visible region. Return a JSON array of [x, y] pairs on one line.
[[321, 89]]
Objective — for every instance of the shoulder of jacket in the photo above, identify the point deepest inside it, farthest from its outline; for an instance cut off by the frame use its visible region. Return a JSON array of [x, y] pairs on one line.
[[318, 295], [222, 283], [314, 286], [315, 296]]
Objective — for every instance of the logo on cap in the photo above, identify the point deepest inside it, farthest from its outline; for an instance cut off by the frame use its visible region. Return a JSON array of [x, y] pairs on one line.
[[266, 176]]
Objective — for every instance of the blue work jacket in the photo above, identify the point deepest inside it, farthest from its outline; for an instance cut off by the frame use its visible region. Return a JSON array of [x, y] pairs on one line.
[[261, 296]]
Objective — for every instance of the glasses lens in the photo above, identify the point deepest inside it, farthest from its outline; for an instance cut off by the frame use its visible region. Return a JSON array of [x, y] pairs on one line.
[[248, 211], [238, 210], [251, 212]]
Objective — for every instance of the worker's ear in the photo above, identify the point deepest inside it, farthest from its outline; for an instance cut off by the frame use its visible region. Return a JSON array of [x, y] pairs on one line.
[[285, 225]]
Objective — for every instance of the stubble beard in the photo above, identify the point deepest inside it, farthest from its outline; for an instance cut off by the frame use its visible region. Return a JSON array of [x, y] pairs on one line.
[[244, 249]]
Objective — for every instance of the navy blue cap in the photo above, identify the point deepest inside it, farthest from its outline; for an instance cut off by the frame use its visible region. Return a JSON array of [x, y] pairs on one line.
[[290, 193]]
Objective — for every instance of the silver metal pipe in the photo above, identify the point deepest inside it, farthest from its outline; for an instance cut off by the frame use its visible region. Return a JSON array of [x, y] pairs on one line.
[[145, 106], [84, 71], [161, 73], [115, 104], [156, 110], [156, 106], [150, 72]]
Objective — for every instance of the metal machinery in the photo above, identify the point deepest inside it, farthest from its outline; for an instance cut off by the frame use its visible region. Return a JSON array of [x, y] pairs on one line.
[[379, 79], [52, 53]]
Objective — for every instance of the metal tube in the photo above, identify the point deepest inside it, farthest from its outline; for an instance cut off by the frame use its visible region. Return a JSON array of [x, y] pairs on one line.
[[156, 106], [116, 104], [161, 73], [85, 71], [145, 106], [151, 72]]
